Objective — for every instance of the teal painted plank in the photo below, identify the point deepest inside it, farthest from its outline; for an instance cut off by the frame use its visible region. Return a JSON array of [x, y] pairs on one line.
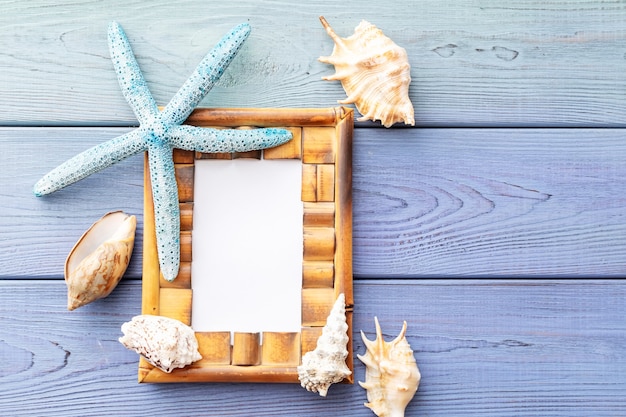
[[485, 348], [541, 63], [427, 202]]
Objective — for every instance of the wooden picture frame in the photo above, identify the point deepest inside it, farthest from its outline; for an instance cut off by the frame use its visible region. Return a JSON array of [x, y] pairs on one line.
[[322, 140]]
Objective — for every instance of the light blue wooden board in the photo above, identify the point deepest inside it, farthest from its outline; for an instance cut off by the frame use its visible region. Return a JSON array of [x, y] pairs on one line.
[[487, 63], [427, 202], [484, 348]]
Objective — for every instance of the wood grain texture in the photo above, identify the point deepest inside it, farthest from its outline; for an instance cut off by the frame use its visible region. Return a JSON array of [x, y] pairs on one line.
[[548, 62], [38, 233], [464, 200], [427, 202], [485, 348], [447, 202]]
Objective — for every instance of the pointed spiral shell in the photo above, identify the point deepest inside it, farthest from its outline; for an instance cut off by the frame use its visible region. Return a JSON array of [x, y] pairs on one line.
[[391, 376], [374, 72], [326, 364]]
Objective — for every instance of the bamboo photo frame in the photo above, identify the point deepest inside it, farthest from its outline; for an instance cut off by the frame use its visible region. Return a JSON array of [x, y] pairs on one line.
[[322, 141]]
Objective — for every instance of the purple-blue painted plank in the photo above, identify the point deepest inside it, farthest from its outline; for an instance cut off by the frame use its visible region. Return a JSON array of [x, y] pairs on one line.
[[484, 348], [37, 233], [490, 202], [427, 202]]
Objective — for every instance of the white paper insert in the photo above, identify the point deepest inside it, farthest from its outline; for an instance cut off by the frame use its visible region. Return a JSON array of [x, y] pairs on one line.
[[247, 245]]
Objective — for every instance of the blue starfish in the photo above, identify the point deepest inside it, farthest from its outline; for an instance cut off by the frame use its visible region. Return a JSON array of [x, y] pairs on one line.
[[161, 131]]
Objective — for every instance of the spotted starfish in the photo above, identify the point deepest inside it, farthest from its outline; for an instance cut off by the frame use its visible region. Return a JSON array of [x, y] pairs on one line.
[[161, 131]]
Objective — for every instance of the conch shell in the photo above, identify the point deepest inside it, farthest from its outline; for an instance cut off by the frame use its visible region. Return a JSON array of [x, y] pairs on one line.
[[164, 342], [374, 72], [99, 259], [391, 376], [326, 364]]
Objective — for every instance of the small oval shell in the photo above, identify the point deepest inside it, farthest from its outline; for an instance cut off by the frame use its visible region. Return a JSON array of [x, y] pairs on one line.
[[326, 364], [99, 259], [391, 376], [164, 342], [374, 72]]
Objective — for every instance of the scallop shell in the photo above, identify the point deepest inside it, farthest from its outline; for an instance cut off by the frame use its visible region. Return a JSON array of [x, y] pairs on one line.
[[374, 72], [99, 259], [391, 376], [326, 364], [164, 342]]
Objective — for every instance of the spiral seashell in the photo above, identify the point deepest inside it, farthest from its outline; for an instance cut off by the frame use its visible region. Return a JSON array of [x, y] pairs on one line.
[[326, 364], [164, 342], [99, 259], [374, 72], [391, 376]]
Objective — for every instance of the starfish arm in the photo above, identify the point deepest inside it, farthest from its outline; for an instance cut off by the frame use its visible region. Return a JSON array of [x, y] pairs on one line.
[[91, 161], [226, 140], [129, 75], [166, 209], [205, 76]]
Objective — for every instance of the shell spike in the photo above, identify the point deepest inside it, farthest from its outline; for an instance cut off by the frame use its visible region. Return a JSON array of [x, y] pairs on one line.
[[365, 385], [379, 336], [370, 345], [336, 38], [347, 100], [401, 335]]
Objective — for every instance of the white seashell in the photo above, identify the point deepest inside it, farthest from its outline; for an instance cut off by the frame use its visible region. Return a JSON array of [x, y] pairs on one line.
[[99, 259], [326, 364], [391, 376], [164, 342], [374, 72]]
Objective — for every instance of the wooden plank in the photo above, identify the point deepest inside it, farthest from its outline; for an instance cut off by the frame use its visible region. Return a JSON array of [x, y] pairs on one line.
[[529, 63], [319, 214], [316, 306], [319, 243], [309, 182], [150, 292], [485, 348], [490, 203], [309, 337], [184, 180], [43, 230], [186, 216], [214, 347], [289, 150], [427, 202], [176, 303], [183, 279], [281, 349], [318, 145], [318, 274], [246, 349]]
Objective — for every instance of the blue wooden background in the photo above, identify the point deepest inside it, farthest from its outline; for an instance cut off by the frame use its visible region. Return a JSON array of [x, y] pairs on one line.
[[496, 227]]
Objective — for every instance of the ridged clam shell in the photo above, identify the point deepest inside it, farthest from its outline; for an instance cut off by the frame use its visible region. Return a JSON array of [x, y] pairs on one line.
[[391, 376], [164, 342], [99, 259], [374, 72], [326, 364]]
